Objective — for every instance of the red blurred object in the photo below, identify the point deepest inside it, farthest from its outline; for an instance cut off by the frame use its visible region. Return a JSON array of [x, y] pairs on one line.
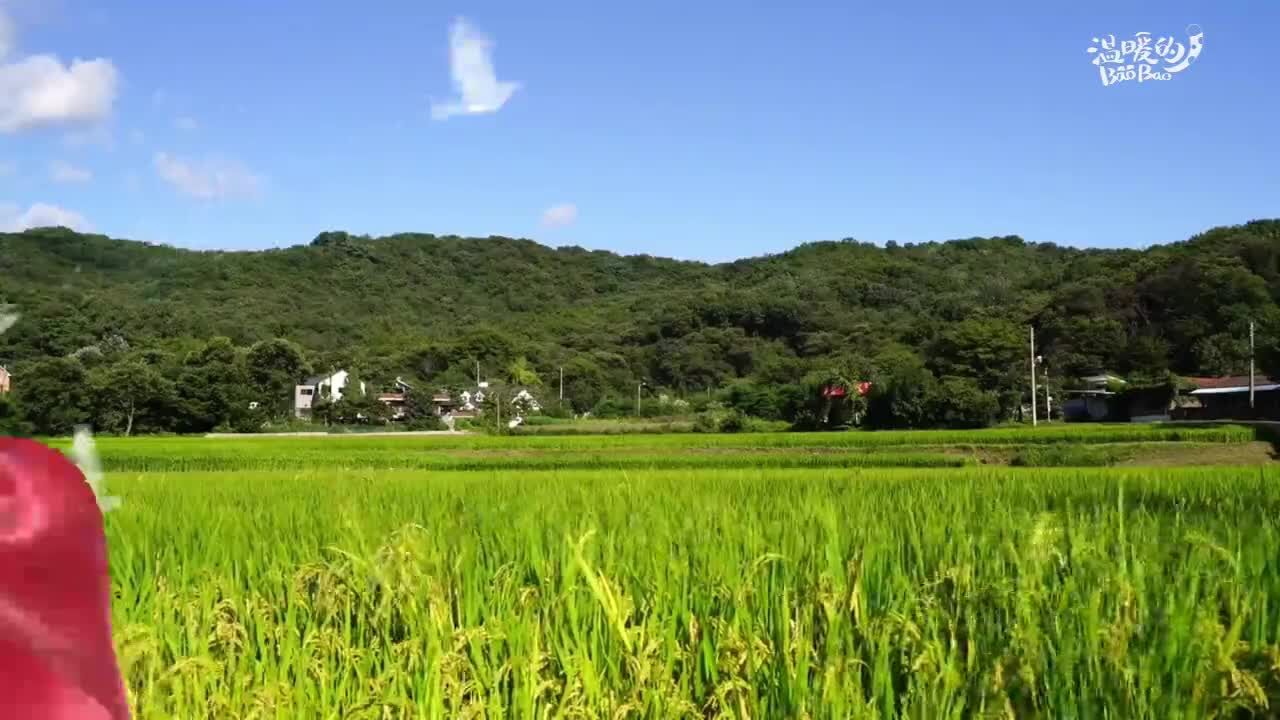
[[834, 391], [57, 660], [864, 388]]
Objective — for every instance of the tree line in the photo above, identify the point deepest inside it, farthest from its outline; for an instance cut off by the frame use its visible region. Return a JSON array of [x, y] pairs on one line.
[[143, 338]]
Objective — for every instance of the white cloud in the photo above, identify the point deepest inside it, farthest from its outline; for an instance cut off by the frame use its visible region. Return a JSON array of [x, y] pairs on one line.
[[67, 173], [471, 65], [39, 90], [560, 215], [186, 122], [208, 179], [13, 219]]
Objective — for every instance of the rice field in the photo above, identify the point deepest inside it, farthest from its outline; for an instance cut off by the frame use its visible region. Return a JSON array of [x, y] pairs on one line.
[[366, 589], [468, 452]]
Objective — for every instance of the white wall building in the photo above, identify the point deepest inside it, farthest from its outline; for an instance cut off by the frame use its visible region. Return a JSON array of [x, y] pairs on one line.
[[329, 386]]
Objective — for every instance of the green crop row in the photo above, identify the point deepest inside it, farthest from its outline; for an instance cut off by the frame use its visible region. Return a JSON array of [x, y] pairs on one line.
[[352, 459], [1048, 434], [947, 593]]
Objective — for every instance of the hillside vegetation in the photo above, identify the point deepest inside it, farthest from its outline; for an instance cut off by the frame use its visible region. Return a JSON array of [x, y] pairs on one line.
[[940, 327]]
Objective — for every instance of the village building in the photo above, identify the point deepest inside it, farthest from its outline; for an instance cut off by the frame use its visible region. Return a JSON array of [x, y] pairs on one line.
[[1227, 398], [1092, 401], [396, 399], [1106, 398], [330, 387]]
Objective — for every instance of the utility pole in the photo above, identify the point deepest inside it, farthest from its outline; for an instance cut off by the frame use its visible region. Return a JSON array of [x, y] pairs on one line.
[[638, 386], [1048, 399], [1033, 377], [477, 373], [497, 407], [1250, 364], [561, 384]]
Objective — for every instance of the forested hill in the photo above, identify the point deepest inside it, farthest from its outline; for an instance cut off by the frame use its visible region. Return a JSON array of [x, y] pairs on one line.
[[428, 307]]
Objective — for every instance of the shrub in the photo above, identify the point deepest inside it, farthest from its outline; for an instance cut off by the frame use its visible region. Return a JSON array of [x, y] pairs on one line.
[[1068, 456], [959, 403], [425, 422]]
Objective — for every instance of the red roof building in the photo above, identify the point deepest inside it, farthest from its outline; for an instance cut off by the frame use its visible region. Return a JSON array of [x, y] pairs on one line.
[[1234, 383]]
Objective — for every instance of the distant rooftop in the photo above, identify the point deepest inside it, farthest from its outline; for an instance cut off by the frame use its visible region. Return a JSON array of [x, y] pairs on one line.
[[1229, 382], [1102, 378]]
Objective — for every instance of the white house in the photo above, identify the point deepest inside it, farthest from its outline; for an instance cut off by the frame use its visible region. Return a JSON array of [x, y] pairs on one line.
[[524, 399], [329, 386], [471, 402]]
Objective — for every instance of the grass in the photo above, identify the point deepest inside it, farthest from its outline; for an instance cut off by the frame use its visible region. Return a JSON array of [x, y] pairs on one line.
[[1191, 454], [219, 453], [1086, 445], [1074, 455], [937, 593], [365, 458]]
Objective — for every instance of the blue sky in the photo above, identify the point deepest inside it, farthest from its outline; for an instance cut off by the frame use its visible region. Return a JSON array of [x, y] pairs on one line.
[[709, 130]]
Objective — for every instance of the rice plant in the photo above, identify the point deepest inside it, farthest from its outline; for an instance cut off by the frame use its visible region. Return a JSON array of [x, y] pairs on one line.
[[585, 452], [830, 593]]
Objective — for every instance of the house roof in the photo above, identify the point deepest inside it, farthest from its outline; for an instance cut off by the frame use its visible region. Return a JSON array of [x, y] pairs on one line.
[[1245, 389], [1230, 382], [317, 379], [1102, 377]]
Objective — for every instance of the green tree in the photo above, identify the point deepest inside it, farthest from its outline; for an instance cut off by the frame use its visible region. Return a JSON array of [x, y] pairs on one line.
[[419, 414], [988, 350], [428, 361], [520, 373], [959, 402], [274, 367], [54, 395], [585, 383], [902, 396], [12, 422], [772, 321], [214, 389], [123, 393], [324, 410]]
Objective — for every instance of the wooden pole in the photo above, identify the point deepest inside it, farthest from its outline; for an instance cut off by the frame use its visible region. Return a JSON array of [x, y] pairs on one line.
[[1033, 377], [1048, 399], [1251, 365]]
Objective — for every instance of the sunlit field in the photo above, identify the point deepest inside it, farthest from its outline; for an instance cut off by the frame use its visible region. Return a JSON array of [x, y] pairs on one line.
[[348, 586]]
